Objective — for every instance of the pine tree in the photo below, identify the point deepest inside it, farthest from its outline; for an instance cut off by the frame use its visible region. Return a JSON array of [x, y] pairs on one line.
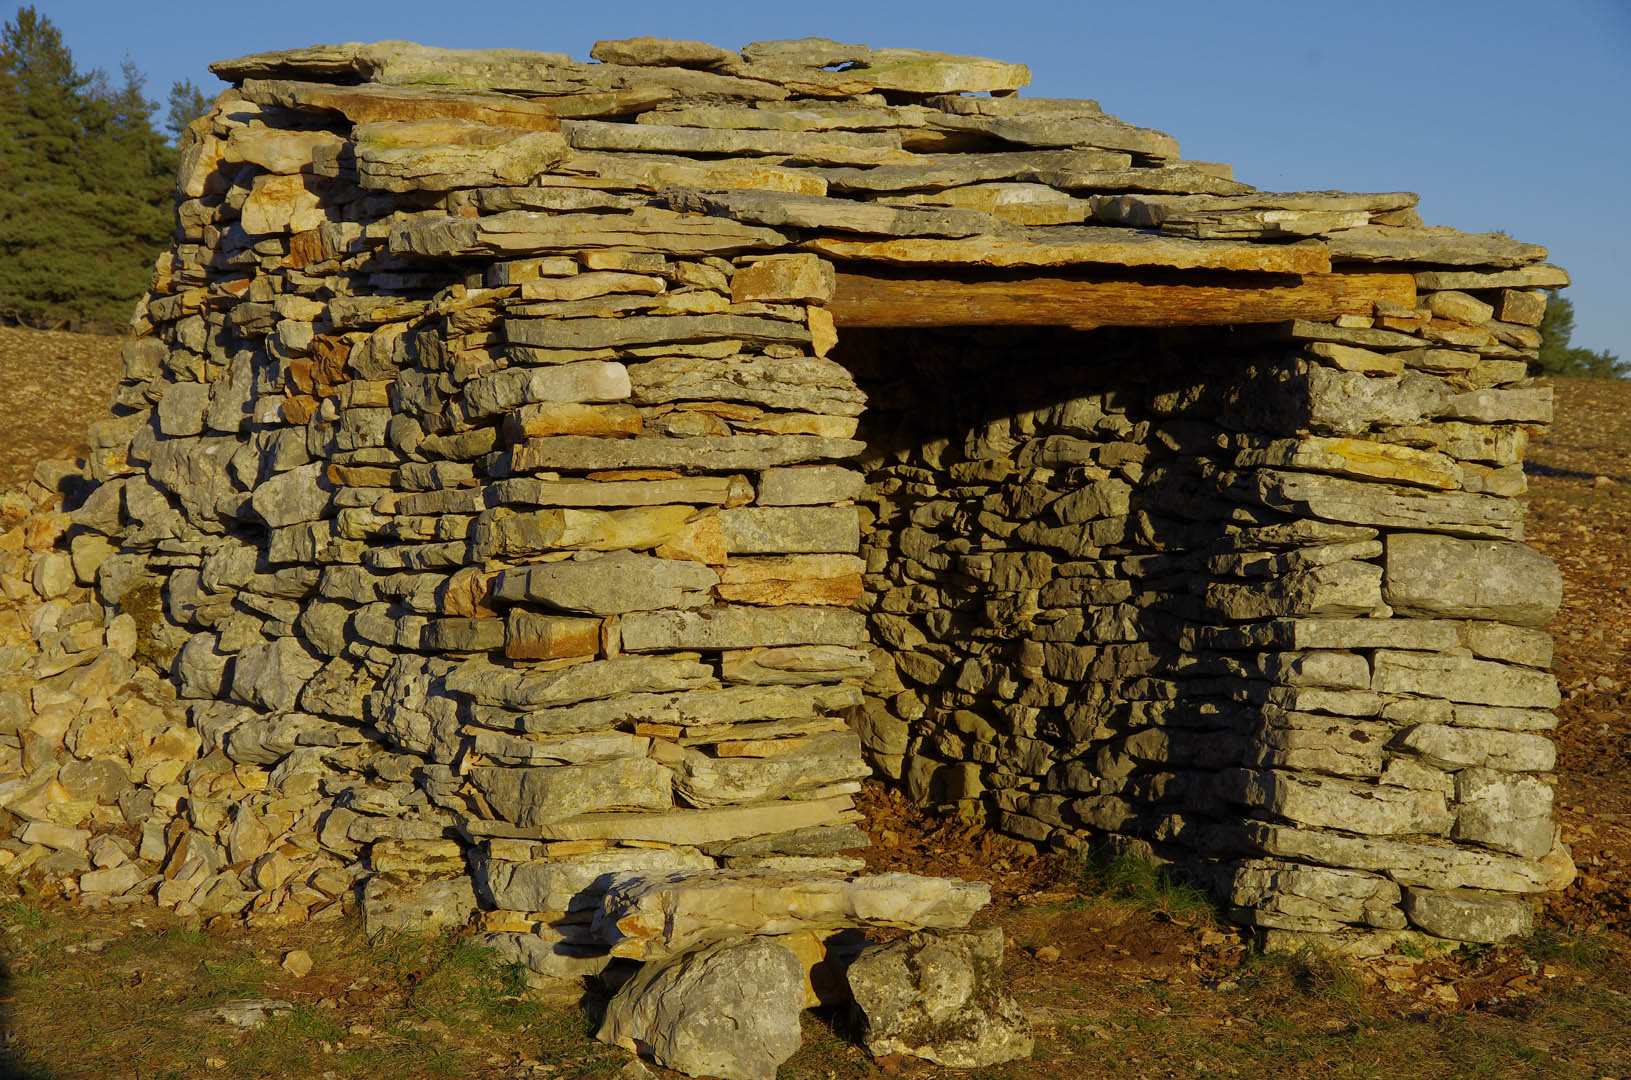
[[42, 116], [1559, 357], [187, 103], [86, 200]]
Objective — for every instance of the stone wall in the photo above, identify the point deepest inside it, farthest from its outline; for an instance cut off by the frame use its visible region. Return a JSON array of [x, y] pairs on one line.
[[491, 485], [1168, 586]]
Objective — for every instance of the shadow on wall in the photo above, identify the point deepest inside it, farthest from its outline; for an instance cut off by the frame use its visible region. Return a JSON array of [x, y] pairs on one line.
[[1045, 504]]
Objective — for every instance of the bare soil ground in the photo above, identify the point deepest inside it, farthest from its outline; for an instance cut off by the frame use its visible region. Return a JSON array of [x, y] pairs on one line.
[[1123, 975], [53, 385]]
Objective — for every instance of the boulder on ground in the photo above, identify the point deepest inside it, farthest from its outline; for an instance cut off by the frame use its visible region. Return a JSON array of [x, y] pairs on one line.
[[729, 1010], [938, 995]]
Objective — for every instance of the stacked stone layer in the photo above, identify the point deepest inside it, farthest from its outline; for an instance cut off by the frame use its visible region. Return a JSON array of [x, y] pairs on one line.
[[486, 477]]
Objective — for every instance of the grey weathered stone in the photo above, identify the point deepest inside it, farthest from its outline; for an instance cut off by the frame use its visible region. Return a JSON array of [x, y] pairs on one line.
[[688, 708], [422, 907], [729, 1010], [1505, 811], [575, 452], [1388, 505], [1351, 402], [796, 665], [1444, 577], [753, 530], [292, 497], [272, 675], [181, 409], [537, 796], [1431, 244], [955, 170], [1331, 803], [521, 232], [612, 584], [809, 485], [741, 627], [694, 490], [938, 995], [588, 380], [1462, 679], [1468, 915], [521, 688], [705, 780], [801, 382], [652, 916], [1461, 747], [784, 210], [577, 883], [549, 960]]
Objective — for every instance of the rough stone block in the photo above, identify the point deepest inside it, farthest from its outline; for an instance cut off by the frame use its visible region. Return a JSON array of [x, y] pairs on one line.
[[1446, 577], [1468, 915]]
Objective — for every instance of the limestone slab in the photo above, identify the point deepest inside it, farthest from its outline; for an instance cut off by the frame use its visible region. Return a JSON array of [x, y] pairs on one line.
[[954, 170], [691, 490], [805, 383], [538, 796], [616, 583], [519, 232], [370, 104], [650, 330], [582, 453], [1446, 577], [693, 827], [522, 688], [1431, 244], [1468, 915], [1463, 679], [703, 779], [813, 212], [741, 627], [823, 148], [574, 883], [648, 917], [1068, 245]]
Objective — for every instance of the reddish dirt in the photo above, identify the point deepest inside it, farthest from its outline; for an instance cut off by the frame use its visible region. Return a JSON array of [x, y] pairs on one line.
[[1580, 515], [53, 385]]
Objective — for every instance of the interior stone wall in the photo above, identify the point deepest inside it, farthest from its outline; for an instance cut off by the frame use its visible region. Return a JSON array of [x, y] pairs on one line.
[[1166, 586]]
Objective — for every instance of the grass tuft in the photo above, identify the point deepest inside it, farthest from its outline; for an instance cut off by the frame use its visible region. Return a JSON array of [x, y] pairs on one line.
[[1576, 947], [1128, 878], [1314, 971]]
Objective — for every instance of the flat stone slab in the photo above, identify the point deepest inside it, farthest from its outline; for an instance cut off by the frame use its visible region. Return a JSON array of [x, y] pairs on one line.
[[1431, 244], [368, 104], [955, 170], [684, 827], [789, 211], [823, 148], [649, 917], [1091, 132], [517, 232], [1068, 245]]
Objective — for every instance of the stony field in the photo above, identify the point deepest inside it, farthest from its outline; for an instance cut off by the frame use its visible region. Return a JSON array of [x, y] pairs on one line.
[[1121, 974]]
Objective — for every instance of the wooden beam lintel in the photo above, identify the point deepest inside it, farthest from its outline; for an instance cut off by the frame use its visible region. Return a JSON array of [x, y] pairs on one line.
[[1087, 302]]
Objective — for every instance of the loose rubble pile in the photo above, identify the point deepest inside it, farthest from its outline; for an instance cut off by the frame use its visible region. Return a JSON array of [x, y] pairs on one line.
[[490, 521]]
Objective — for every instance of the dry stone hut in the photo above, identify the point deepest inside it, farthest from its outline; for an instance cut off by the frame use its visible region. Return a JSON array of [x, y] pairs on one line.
[[532, 471]]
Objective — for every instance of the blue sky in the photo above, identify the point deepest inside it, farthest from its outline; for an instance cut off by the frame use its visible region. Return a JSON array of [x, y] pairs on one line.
[[1501, 114]]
